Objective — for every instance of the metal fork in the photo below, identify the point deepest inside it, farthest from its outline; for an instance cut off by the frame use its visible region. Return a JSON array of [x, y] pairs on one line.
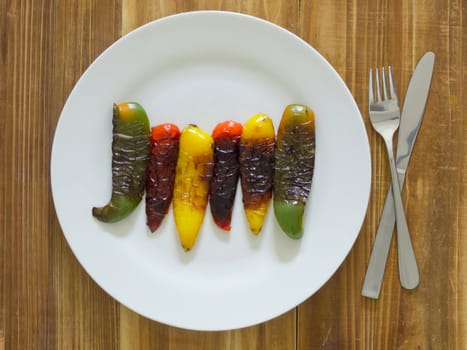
[[385, 118]]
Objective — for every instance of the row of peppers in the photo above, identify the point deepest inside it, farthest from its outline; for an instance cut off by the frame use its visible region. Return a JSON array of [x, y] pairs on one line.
[[191, 167]]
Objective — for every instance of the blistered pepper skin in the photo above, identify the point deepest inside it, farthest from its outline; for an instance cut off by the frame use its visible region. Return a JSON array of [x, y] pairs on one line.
[[294, 166], [257, 168], [160, 179], [192, 177], [130, 153], [226, 172]]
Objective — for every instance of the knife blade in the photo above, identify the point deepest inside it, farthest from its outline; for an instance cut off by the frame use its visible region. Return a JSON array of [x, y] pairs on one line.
[[411, 118]]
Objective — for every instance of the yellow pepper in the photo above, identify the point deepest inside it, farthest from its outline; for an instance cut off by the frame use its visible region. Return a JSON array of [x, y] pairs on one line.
[[192, 176], [257, 168]]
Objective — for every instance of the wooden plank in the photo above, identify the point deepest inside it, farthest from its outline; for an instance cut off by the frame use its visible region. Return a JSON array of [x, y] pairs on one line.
[[25, 251], [284, 13], [86, 316], [139, 332], [376, 33], [277, 334], [436, 181]]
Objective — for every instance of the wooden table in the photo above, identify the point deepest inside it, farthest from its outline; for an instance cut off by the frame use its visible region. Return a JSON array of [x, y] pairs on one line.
[[48, 301]]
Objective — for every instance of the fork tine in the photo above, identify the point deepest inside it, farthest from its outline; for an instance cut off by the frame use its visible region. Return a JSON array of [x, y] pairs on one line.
[[378, 91], [391, 85], [385, 92], [371, 97]]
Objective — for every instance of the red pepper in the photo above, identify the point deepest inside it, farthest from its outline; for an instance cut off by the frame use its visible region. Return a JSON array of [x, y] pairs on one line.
[[223, 185], [161, 172]]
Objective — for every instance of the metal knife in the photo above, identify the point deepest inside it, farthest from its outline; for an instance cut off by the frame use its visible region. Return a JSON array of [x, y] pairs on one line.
[[411, 118]]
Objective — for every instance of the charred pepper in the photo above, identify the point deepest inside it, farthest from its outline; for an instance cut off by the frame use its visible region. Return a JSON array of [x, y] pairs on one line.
[[161, 172], [257, 168], [224, 182], [294, 166], [130, 151], [192, 177]]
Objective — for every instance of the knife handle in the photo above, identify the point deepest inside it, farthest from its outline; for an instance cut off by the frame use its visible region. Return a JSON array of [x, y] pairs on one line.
[[379, 254], [377, 263]]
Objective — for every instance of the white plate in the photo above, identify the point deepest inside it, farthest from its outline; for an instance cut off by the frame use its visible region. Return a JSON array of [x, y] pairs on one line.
[[206, 67]]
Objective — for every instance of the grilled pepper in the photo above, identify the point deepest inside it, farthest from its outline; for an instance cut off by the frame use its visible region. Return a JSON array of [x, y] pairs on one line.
[[294, 165], [257, 168], [192, 176], [130, 151], [161, 172], [223, 186]]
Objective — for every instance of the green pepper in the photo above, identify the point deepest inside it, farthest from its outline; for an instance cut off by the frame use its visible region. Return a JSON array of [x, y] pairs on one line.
[[130, 154], [293, 167]]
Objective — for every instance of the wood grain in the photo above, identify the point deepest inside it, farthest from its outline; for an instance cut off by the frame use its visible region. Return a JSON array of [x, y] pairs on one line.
[[47, 301], [26, 278], [374, 34]]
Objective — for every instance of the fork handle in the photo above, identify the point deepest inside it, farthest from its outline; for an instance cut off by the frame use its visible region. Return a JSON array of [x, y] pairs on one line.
[[377, 263], [408, 270]]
